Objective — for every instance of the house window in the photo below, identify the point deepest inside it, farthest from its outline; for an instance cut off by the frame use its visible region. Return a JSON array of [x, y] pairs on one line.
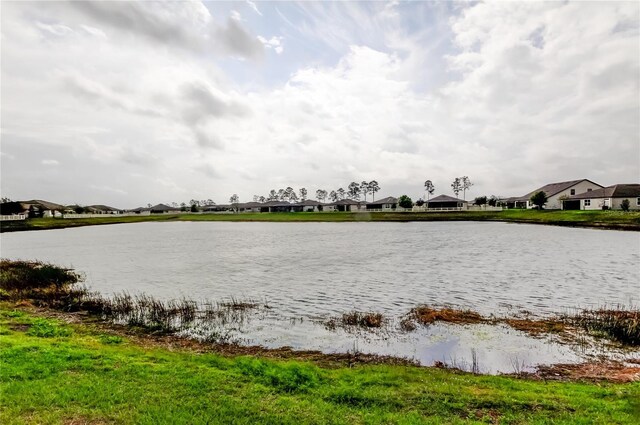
[[589, 190], [638, 202], [573, 191], [587, 202]]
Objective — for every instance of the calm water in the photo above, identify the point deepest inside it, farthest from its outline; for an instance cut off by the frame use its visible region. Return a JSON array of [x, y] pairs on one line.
[[312, 271]]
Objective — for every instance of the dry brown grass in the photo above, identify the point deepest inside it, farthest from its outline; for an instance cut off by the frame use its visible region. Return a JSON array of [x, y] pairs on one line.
[[426, 315], [357, 319]]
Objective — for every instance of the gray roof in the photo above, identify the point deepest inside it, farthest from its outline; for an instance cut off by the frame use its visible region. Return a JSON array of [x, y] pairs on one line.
[[163, 207], [445, 198], [308, 203], [43, 204], [103, 208], [615, 191], [553, 189], [387, 200], [345, 202]]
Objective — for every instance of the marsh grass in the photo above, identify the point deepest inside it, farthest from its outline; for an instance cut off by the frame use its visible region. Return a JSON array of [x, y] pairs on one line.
[[26, 277], [620, 325], [357, 319], [426, 315]]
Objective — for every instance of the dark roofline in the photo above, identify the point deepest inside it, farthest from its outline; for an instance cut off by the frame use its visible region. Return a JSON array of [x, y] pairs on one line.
[[614, 191], [568, 183]]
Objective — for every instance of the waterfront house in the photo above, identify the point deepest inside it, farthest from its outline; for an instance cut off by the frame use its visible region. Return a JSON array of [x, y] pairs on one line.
[[555, 192], [344, 205], [307, 205], [446, 202], [609, 197], [163, 209], [384, 204]]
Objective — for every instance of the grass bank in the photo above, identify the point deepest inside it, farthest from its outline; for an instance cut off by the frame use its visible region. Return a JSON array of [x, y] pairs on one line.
[[596, 219], [57, 372]]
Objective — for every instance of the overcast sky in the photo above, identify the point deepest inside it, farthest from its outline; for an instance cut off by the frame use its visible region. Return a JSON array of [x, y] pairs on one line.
[[133, 103]]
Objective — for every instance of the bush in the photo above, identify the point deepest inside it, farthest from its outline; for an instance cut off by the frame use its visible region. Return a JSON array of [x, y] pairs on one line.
[[480, 200], [539, 199], [28, 275], [405, 202], [625, 205]]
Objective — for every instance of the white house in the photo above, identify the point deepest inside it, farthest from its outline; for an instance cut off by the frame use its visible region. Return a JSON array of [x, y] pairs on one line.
[[555, 192], [609, 197]]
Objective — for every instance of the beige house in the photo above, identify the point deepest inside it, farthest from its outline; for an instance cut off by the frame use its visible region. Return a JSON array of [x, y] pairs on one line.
[[610, 197], [556, 192]]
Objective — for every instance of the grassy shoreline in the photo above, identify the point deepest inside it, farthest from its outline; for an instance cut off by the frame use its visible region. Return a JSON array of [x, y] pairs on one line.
[[63, 363], [616, 220], [59, 372]]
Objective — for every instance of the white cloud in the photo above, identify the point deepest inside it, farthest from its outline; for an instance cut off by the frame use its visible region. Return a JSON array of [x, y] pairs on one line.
[[253, 6], [530, 93], [49, 162], [274, 43]]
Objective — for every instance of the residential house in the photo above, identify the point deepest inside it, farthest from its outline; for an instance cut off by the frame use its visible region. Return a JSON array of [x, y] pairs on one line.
[[164, 209], [609, 197], [555, 192], [308, 205], [446, 202], [345, 205], [385, 204]]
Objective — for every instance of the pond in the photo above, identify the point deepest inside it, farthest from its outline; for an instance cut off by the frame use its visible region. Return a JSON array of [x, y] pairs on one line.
[[309, 272]]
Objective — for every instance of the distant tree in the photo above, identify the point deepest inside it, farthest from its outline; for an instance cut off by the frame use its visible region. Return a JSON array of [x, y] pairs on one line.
[[210, 202], [373, 188], [183, 206], [79, 210], [480, 200], [429, 188], [364, 189], [333, 196], [341, 193], [193, 202], [625, 204], [353, 190], [5, 199], [456, 186], [303, 194], [174, 204], [273, 195], [420, 202], [287, 193], [293, 197], [148, 205], [492, 201], [262, 199], [280, 195], [466, 185], [321, 195], [234, 201], [539, 199], [405, 202], [194, 208], [255, 198]]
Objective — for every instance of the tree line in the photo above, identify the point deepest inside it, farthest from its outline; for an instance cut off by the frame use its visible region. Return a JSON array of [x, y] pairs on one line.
[[354, 191]]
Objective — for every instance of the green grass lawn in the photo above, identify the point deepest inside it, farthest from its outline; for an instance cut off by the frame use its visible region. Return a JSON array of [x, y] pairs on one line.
[[603, 219], [51, 372]]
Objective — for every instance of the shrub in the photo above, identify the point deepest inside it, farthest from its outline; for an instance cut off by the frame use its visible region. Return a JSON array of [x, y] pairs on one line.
[[29, 275], [539, 199], [625, 205], [405, 202]]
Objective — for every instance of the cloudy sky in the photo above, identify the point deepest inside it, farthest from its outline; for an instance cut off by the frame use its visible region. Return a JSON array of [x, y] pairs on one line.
[[134, 103]]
